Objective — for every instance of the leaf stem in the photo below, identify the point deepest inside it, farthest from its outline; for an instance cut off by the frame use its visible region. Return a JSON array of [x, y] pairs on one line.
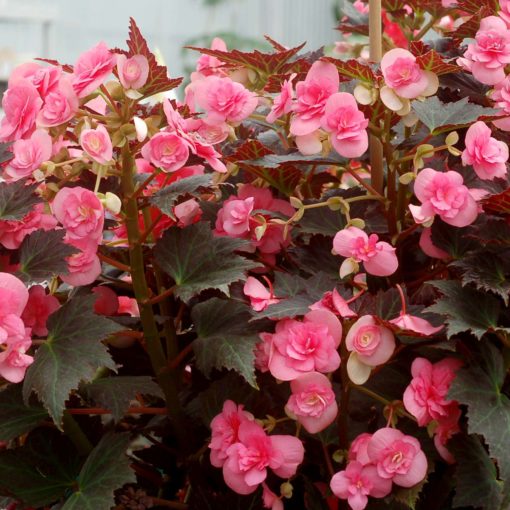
[[76, 434]]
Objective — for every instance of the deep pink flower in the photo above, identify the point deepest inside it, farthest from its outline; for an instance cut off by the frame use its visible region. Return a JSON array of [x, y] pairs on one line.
[[358, 450], [312, 402], [490, 53], [347, 125], [299, 347], [428, 247], [357, 482], [97, 144], [39, 307], [167, 151], [60, 104], [225, 429], [83, 267], [260, 297], [133, 72], [487, 155], [321, 82], [426, 397], [14, 362], [12, 329], [501, 97], [107, 302], [224, 100], [249, 458], [444, 194], [282, 103], [29, 154], [409, 322], [128, 306], [21, 104], [44, 78], [334, 302], [80, 212], [397, 457], [234, 217], [92, 68], [270, 499], [378, 257], [447, 427]]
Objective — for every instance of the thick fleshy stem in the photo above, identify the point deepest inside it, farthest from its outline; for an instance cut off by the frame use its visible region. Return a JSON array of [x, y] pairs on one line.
[[155, 349]]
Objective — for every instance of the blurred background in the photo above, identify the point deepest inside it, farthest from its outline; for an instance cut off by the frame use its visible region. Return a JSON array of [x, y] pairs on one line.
[[62, 29]]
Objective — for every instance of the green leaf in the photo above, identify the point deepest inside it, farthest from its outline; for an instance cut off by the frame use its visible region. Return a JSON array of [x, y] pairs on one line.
[[41, 471], [452, 240], [197, 260], [17, 200], [166, 198], [317, 256], [322, 221], [466, 309], [435, 114], [477, 485], [115, 393], [226, 338], [105, 470], [409, 497], [16, 418], [479, 386], [43, 255], [71, 354]]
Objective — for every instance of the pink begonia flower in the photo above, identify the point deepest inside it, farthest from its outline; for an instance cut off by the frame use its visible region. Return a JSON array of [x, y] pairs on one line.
[[310, 144], [448, 3], [80, 212], [107, 302], [282, 103], [97, 105], [426, 397], [407, 322], [21, 104], [357, 482], [234, 217], [208, 65], [28, 155], [97, 144], [263, 351], [128, 306], [446, 428], [224, 100], [360, 6], [444, 194], [60, 105], [12, 329], [133, 71], [12, 232], [346, 124], [14, 362], [334, 302], [248, 459], [299, 347], [92, 68], [167, 151], [260, 297], [397, 457], [39, 307], [485, 154], [312, 402], [206, 151], [504, 11], [270, 499], [490, 53], [428, 247], [378, 257], [501, 97], [44, 78], [84, 266], [321, 81], [359, 449], [225, 430], [187, 212]]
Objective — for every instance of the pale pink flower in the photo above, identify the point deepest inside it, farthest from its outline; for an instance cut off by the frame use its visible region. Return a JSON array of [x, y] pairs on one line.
[[133, 72], [29, 154], [224, 100], [501, 97], [206, 151], [44, 78], [208, 65], [444, 194], [358, 450], [92, 68], [448, 3], [426, 397], [21, 104], [270, 499], [504, 11], [334, 302], [299, 347], [490, 53], [311, 143], [80, 212], [321, 81], [312, 402], [428, 247], [447, 427], [485, 154], [97, 144], [234, 217], [357, 482], [12, 329], [248, 459], [187, 212], [397, 457], [282, 103], [83, 267], [12, 232], [260, 297], [14, 362], [407, 322], [106, 302], [60, 105], [347, 125], [360, 6], [225, 429], [167, 151], [39, 307], [378, 257]]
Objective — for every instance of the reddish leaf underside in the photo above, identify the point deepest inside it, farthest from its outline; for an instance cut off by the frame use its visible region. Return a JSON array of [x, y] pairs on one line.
[[498, 204], [352, 69]]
